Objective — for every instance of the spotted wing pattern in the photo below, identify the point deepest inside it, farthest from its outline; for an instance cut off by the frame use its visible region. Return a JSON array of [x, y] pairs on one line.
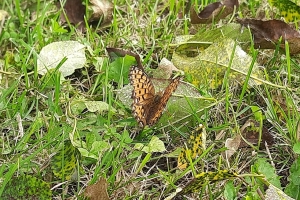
[[147, 106], [193, 149]]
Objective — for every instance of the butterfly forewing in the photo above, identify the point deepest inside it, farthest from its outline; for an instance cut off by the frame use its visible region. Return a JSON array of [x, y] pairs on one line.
[[143, 89], [147, 106]]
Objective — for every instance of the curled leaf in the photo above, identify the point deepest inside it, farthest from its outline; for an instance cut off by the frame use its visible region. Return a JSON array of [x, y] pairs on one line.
[[102, 11], [117, 52], [215, 10], [165, 69], [232, 145], [75, 11], [268, 33]]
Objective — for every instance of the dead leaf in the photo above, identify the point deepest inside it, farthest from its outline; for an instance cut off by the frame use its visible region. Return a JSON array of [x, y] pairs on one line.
[[232, 145], [274, 193], [267, 33], [250, 132], [164, 69], [102, 11], [213, 12], [74, 11], [97, 191], [3, 15]]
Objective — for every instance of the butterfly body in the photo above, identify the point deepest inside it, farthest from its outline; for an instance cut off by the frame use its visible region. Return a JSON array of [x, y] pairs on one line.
[[147, 105]]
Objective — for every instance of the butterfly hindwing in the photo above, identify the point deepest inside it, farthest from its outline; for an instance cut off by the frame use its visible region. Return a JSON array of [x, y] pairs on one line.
[[161, 101], [148, 106]]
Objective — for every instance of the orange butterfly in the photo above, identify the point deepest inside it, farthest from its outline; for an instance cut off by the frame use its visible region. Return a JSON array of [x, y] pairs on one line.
[[148, 106]]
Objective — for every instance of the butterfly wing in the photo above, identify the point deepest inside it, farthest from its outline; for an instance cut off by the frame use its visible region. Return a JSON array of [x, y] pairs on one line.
[[160, 102], [143, 94]]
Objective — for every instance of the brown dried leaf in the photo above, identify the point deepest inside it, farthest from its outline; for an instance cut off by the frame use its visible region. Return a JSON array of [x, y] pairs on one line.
[[267, 33], [74, 10], [232, 145], [250, 132], [97, 191], [165, 69], [102, 11], [214, 11]]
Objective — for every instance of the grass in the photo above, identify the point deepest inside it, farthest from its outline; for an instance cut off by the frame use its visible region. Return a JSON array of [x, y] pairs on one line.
[[48, 132]]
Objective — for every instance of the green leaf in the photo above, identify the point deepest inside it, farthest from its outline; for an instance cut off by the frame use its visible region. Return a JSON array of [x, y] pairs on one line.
[[100, 106], [27, 187], [126, 137], [258, 115], [134, 154], [194, 147], [230, 192], [261, 166], [99, 147], [208, 67], [293, 190], [288, 9], [77, 106], [90, 139], [119, 69], [295, 172], [64, 163], [296, 148], [93, 147], [155, 145]]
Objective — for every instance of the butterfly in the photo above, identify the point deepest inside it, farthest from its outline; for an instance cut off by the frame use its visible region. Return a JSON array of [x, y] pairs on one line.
[[148, 106], [194, 147]]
